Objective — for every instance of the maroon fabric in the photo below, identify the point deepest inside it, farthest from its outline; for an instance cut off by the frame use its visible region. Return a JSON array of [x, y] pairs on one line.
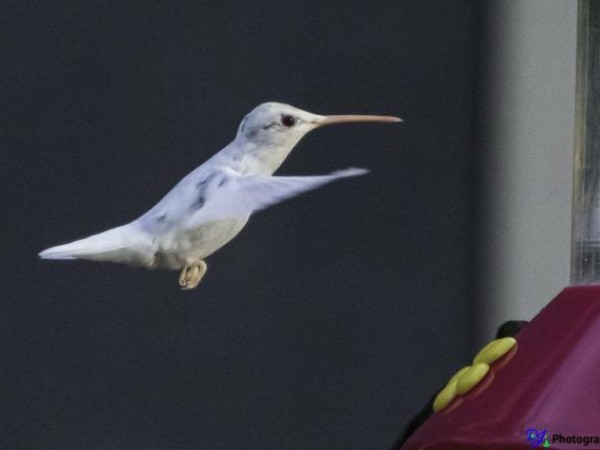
[[551, 381]]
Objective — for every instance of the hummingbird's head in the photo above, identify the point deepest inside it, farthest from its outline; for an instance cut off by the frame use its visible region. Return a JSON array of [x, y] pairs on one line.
[[273, 129], [276, 124]]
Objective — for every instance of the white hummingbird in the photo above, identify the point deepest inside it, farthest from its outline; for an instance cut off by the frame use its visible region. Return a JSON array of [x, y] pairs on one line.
[[210, 206]]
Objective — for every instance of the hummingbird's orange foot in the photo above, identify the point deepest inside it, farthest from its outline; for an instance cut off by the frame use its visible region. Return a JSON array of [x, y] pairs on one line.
[[191, 275]]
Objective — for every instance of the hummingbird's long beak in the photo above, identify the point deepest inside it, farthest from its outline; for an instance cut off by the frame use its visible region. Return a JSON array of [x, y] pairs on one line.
[[330, 120]]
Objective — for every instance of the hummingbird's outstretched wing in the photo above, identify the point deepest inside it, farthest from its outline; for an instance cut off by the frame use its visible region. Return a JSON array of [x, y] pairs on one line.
[[236, 195]]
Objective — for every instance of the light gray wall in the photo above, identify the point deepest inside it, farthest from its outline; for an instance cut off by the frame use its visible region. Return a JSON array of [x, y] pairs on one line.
[[528, 149]]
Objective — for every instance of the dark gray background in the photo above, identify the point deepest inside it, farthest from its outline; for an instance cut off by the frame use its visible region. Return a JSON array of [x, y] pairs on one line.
[[331, 319]]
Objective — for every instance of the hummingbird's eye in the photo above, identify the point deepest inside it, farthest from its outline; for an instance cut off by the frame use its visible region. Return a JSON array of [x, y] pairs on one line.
[[288, 121]]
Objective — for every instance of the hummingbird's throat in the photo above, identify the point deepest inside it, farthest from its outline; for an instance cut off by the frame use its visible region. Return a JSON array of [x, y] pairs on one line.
[[271, 157]]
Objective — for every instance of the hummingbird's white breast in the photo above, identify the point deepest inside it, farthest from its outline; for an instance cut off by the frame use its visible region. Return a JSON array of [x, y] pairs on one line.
[[177, 248]]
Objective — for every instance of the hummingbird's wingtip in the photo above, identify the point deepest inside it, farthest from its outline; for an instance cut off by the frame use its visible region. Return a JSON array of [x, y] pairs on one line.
[[351, 172]]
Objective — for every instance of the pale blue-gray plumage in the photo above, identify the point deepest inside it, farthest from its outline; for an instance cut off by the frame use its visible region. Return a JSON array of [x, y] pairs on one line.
[[210, 206]]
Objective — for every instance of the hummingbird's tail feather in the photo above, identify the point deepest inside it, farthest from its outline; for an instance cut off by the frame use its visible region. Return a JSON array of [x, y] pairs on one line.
[[125, 244]]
